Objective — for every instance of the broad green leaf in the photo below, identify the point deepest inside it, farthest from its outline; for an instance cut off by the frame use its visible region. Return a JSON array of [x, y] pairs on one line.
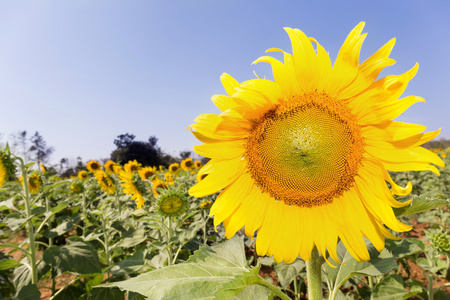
[[287, 272], [102, 294], [65, 224], [390, 288], [22, 274], [129, 265], [76, 257], [14, 221], [380, 263], [6, 264], [405, 247], [420, 204], [203, 276], [61, 206], [54, 185], [70, 293], [38, 210], [415, 287], [29, 292], [131, 241], [8, 204]]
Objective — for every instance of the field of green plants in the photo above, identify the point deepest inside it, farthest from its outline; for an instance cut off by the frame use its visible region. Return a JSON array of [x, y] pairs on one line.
[[133, 232]]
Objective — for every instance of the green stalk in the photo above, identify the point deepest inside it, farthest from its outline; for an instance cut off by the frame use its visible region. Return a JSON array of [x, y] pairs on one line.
[[169, 237], [30, 226], [297, 294], [84, 213], [205, 217], [314, 276]]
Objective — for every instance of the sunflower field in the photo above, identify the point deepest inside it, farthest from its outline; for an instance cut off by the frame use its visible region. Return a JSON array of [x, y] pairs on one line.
[[133, 232], [310, 190]]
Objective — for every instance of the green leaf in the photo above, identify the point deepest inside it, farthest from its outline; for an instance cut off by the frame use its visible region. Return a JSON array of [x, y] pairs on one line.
[[29, 292], [102, 294], [65, 224], [287, 272], [129, 265], [22, 275], [75, 257], [6, 264], [379, 263], [390, 288], [208, 272], [61, 206], [419, 204], [70, 293], [52, 186], [405, 247], [38, 210], [14, 221]]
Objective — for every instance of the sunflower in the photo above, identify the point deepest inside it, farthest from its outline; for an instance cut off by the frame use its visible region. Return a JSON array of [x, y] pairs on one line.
[[93, 166], [83, 174], [172, 204], [147, 172], [105, 182], [43, 168], [206, 204], [111, 167], [174, 168], [34, 182], [3, 173], [77, 187], [132, 166], [158, 184], [303, 159], [187, 164], [133, 186], [198, 164]]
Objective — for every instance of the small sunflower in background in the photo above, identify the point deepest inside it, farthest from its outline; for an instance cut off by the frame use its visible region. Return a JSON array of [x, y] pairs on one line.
[[34, 182], [83, 174], [105, 182], [43, 168], [169, 178], [158, 184], [77, 187], [198, 164], [7, 166], [94, 166], [3, 173], [303, 160], [133, 186], [205, 204], [174, 168], [132, 166], [111, 167], [147, 172], [187, 164], [172, 203]]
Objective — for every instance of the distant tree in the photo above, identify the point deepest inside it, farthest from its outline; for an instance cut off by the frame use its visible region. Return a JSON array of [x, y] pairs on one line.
[[185, 154], [39, 150], [146, 153], [19, 144]]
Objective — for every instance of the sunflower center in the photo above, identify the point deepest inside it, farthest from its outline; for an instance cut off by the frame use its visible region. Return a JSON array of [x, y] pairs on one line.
[[171, 204], [305, 153]]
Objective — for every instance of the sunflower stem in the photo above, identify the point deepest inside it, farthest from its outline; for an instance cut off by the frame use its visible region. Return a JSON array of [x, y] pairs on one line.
[[314, 276], [169, 237]]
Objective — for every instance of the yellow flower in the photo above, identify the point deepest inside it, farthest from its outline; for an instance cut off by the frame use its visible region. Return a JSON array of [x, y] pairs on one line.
[[112, 167], [198, 164], [187, 164], [77, 187], [205, 205], [169, 178], [83, 174], [147, 172], [172, 203], [174, 168], [303, 159], [34, 182], [93, 166], [158, 184], [133, 186], [105, 182], [443, 154], [132, 166], [43, 168], [3, 173]]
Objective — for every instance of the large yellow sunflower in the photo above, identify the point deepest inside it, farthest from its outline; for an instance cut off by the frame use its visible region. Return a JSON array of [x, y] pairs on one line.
[[303, 159], [93, 166]]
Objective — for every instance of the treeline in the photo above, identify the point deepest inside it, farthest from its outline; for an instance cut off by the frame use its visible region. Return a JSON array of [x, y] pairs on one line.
[[148, 153], [436, 144]]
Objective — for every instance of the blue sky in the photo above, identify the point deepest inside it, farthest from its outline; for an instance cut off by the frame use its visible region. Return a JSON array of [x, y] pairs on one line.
[[82, 72]]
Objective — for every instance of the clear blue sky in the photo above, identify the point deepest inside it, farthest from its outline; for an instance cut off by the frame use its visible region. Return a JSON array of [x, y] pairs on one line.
[[82, 72]]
